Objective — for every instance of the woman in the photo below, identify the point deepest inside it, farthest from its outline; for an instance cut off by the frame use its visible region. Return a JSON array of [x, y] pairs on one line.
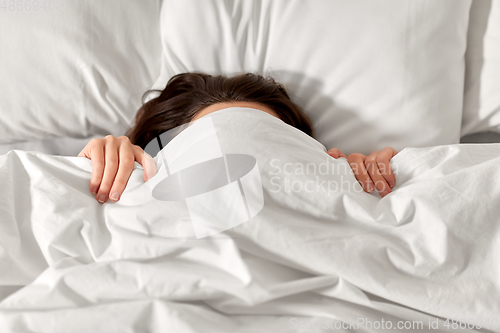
[[190, 96]]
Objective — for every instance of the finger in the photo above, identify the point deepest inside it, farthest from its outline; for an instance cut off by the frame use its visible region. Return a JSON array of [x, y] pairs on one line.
[[86, 150], [147, 162], [380, 183], [97, 158], [125, 168], [384, 165], [110, 169], [336, 153], [94, 151], [356, 161]]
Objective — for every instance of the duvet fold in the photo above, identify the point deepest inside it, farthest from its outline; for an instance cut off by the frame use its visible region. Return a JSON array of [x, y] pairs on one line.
[[317, 249]]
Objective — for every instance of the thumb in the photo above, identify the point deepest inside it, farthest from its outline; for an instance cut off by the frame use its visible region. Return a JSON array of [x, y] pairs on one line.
[[84, 153], [149, 167], [147, 162], [336, 153]]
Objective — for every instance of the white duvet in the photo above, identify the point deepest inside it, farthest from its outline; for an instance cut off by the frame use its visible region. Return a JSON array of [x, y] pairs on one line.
[[314, 257]]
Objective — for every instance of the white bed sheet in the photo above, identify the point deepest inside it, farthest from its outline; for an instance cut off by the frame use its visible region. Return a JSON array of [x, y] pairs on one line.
[[428, 251]]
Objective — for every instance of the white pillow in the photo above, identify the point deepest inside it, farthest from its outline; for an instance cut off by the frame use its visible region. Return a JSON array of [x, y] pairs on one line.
[[371, 73], [482, 75], [77, 69]]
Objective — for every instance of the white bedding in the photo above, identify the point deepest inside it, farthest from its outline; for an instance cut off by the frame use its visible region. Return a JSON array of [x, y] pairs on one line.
[[54, 146], [392, 70], [427, 251], [76, 69]]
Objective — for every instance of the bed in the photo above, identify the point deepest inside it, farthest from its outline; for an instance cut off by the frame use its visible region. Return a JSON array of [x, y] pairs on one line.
[[316, 256]]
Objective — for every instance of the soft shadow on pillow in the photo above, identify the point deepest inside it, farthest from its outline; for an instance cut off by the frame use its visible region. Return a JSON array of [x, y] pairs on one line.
[[371, 73], [76, 69], [482, 74]]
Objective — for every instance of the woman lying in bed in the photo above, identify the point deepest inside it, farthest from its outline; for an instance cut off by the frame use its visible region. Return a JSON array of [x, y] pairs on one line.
[[188, 97]]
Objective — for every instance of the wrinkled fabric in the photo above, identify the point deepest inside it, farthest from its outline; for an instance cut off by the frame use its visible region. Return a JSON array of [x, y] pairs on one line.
[[321, 250]]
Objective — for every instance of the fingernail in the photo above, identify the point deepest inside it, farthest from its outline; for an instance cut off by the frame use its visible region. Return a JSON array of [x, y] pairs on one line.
[[114, 196], [94, 190], [102, 198]]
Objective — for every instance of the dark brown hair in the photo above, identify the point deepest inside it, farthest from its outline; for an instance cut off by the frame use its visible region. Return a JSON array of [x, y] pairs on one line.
[[188, 93]]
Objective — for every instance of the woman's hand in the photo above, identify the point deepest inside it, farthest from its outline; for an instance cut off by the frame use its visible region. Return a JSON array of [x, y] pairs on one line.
[[372, 171], [112, 164]]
